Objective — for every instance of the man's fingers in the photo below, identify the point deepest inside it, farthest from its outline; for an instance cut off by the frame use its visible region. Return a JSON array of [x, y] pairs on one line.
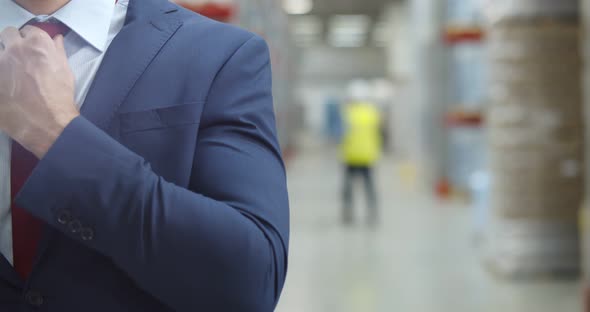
[[31, 31], [10, 36], [59, 45]]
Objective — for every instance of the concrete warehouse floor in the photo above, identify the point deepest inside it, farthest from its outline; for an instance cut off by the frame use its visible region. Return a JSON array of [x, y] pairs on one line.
[[421, 259]]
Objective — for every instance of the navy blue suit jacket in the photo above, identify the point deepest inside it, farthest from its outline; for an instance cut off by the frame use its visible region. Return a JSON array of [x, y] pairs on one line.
[[169, 192]]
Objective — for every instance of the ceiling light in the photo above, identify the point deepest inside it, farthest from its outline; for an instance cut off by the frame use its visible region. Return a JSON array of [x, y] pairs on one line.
[[306, 30], [298, 7], [348, 30], [306, 25], [360, 22]]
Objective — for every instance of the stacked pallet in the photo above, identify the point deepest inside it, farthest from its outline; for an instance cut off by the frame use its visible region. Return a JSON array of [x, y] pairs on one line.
[[500, 10], [585, 213], [536, 130]]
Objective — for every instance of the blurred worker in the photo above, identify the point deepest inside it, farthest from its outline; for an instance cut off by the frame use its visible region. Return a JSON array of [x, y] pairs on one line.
[[166, 191], [361, 148]]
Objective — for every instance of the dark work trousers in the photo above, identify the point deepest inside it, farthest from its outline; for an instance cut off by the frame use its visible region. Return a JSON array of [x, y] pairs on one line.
[[352, 173]]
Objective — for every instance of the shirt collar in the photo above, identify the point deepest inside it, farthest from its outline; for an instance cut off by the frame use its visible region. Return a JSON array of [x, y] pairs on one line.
[[91, 20], [12, 15]]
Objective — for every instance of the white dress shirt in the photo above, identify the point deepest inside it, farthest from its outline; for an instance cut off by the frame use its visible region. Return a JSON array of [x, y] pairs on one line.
[[94, 24]]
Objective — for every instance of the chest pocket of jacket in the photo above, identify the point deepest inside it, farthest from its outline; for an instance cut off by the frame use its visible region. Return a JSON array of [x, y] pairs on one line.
[[160, 118], [165, 137]]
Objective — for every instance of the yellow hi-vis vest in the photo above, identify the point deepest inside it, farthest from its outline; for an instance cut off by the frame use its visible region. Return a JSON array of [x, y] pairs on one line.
[[361, 144]]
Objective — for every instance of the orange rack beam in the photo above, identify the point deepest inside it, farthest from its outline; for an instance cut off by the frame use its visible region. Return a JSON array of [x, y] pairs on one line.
[[216, 11], [461, 34]]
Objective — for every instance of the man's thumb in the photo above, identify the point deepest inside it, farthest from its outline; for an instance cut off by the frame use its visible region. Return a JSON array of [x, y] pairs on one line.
[[59, 44]]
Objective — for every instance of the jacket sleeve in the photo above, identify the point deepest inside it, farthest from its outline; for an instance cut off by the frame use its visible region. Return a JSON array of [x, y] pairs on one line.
[[220, 245]]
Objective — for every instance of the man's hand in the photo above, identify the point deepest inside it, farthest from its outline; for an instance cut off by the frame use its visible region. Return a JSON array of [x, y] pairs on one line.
[[36, 88]]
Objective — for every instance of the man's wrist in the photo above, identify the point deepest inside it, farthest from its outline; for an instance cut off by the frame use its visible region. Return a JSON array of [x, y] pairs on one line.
[[39, 141]]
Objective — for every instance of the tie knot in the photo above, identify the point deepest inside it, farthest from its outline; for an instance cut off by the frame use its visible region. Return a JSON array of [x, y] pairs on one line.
[[51, 27]]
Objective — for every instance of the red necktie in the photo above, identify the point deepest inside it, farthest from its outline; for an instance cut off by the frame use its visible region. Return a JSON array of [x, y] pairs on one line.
[[26, 229]]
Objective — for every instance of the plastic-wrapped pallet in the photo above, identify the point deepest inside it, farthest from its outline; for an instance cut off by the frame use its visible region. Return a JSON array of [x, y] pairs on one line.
[[502, 10], [536, 137], [585, 213]]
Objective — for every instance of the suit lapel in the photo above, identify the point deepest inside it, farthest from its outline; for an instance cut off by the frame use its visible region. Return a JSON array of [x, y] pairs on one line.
[[148, 26], [127, 58]]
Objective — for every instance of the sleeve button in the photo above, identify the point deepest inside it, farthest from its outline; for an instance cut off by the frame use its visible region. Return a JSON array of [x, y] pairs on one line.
[[75, 226], [87, 234], [34, 298], [64, 217]]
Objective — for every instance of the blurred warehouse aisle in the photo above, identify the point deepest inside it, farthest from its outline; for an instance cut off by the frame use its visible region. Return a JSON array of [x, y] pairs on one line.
[[486, 96], [422, 259]]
